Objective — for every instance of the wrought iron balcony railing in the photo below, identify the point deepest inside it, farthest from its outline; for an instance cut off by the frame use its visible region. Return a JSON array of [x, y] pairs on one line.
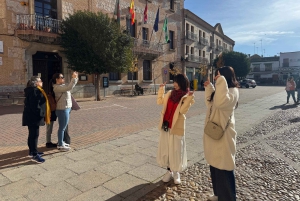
[[192, 36], [203, 41], [147, 48], [197, 59], [219, 47], [36, 22]]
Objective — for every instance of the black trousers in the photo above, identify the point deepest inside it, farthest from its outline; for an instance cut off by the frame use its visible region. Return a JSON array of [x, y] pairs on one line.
[[32, 141], [223, 184]]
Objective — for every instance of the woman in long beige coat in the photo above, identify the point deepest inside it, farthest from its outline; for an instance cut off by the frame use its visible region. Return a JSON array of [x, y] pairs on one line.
[[221, 101], [172, 148]]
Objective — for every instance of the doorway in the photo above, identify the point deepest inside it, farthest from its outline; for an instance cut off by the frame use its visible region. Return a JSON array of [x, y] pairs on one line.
[[45, 64]]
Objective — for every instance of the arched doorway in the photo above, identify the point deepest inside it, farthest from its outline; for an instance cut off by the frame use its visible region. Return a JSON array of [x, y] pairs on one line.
[[46, 64]]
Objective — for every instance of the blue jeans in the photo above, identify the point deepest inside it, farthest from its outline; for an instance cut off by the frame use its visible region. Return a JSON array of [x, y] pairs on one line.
[[223, 182], [289, 93], [63, 120]]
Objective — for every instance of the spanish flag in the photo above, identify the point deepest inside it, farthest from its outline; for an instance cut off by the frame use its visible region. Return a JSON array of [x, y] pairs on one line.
[[132, 12]]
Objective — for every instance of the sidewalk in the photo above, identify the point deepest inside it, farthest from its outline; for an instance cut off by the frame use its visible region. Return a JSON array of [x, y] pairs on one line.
[[126, 169]]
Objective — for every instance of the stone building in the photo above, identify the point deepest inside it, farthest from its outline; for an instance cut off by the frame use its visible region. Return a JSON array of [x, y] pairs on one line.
[[202, 44], [29, 42]]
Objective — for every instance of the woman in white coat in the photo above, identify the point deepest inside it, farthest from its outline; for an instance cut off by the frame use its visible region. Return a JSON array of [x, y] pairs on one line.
[[172, 148], [221, 101]]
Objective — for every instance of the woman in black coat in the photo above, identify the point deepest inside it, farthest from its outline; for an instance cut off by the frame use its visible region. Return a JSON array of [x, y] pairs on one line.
[[36, 112]]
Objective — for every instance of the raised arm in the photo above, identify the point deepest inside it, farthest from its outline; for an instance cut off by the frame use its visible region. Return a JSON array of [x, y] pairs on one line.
[[223, 98], [64, 88]]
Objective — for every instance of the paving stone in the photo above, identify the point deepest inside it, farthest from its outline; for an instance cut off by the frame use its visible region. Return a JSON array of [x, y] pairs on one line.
[[115, 168], [52, 177], [144, 143], [150, 151], [128, 149], [59, 191], [23, 172], [83, 165], [107, 157], [97, 194], [136, 159], [81, 154], [129, 185], [120, 142], [134, 137], [4, 180], [88, 180], [148, 172], [102, 147], [57, 162], [21, 188]]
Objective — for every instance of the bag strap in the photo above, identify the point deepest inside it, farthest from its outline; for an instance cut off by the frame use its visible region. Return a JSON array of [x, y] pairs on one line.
[[227, 122], [59, 98]]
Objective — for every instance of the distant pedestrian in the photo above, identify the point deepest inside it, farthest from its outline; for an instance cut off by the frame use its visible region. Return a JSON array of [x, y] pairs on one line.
[[298, 90], [221, 101], [290, 89], [139, 89], [202, 84], [36, 113], [64, 104], [172, 147]]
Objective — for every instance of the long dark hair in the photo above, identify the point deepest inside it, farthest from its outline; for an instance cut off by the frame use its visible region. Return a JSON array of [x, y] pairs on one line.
[[52, 82], [182, 81], [228, 73]]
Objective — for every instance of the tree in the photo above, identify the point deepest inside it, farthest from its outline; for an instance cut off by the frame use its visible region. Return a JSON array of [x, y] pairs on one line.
[[94, 44], [237, 60]]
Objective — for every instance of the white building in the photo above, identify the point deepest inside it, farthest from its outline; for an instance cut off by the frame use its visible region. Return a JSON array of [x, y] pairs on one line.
[[289, 65]]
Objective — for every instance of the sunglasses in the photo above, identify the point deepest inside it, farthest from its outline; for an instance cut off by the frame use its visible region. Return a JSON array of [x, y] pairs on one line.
[[61, 77]]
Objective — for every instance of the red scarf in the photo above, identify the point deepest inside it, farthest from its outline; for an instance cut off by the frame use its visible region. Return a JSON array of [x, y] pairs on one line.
[[176, 95]]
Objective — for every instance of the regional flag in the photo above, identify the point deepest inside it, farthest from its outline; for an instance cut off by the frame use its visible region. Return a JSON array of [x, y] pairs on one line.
[[165, 28], [146, 13], [132, 12]]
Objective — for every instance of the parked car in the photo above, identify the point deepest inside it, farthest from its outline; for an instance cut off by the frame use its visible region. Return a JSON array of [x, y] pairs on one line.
[[247, 83]]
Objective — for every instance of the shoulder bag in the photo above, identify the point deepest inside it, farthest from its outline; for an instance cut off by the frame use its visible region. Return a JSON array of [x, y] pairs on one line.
[[213, 130], [75, 105], [52, 101]]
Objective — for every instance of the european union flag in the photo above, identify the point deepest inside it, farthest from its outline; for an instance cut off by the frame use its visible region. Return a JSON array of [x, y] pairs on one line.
[[155, 27]]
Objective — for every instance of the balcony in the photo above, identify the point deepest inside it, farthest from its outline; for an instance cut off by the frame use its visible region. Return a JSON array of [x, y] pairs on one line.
[[219, 48], [197, 59], [191, 36], [203, 41], [34, 28], [147, 49], [212, 45]]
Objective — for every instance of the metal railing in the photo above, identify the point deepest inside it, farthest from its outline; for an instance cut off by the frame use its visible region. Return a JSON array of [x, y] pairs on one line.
[[203, 41], [219, 47], [191, 35], [36, 22], [146, 45], [198, 59], [212, 45]]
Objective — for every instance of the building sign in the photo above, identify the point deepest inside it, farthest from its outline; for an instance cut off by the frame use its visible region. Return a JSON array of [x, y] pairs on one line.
[[1, 61], [1, 46]]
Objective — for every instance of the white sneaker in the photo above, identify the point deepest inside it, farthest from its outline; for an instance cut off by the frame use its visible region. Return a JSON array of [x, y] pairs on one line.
[[213, 198], [66, 145], [167, 177], [63, 148], [176, 177]]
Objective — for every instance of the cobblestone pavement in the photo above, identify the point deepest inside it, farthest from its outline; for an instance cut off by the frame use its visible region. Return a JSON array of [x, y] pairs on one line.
[[267, 164]]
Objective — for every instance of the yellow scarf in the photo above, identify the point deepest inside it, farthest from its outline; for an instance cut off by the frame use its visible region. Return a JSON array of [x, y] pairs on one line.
[[48, 111]]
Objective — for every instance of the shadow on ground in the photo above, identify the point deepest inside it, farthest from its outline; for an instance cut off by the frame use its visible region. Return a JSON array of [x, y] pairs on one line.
[[284, 107], [18, 158]]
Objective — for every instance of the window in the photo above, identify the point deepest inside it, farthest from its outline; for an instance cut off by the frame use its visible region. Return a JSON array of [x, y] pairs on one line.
[[187, 49], [147, 72], [46, 8], [172, 4], [129, 76], [200, 34], [268, 67], [256, 67], [199, 53], [204, 54], [203, 34], [171, 37], [192, 29], [130, 28], [192, 50], [187, 28], [145, 33], [114, 76]]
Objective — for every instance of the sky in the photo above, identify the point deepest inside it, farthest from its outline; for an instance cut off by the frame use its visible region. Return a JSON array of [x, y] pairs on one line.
[[264, 27]]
